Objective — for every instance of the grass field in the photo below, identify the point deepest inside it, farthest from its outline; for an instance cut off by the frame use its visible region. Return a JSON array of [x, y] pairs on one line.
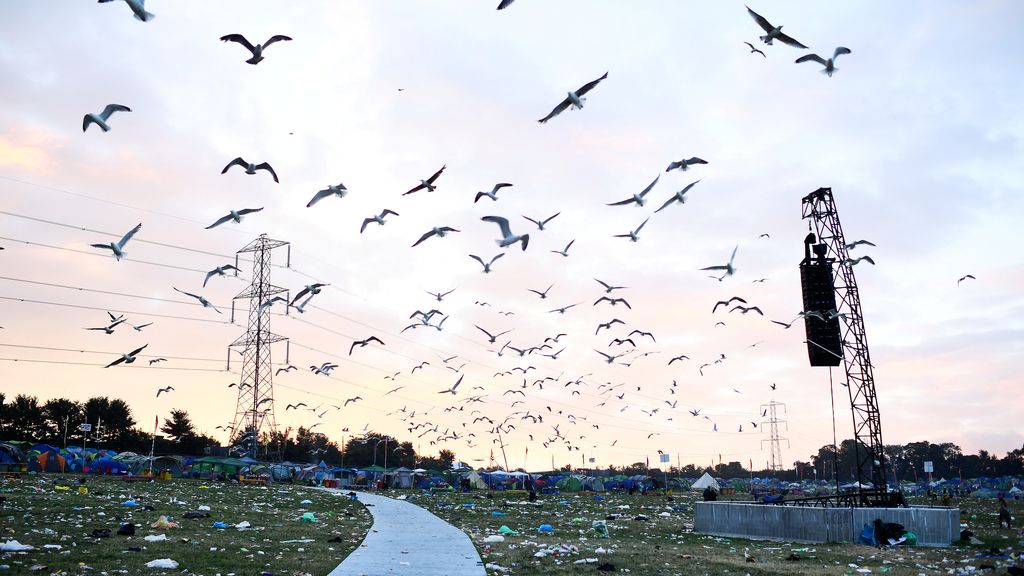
[[664, 543], [59, 522]]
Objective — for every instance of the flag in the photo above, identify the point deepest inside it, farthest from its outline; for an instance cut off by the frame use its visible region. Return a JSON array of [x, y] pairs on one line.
[[156, 422], [648, 461]]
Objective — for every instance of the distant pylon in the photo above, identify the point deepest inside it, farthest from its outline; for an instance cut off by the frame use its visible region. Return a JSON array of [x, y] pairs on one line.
[[254, 410], [770, 410]]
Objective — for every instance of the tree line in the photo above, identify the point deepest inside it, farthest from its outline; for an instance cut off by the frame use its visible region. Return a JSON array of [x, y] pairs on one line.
[[56, 422]]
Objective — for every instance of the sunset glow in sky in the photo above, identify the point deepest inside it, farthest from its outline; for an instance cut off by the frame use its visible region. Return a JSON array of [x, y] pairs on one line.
[[918, 134]]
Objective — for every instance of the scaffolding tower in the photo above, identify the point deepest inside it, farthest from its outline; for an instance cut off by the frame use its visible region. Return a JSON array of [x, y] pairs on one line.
[[254, 410], [820, 209]]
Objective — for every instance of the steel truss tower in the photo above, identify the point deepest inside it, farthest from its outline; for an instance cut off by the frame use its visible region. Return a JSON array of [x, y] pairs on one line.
[[770, 409], [819, 207], [254, 410]]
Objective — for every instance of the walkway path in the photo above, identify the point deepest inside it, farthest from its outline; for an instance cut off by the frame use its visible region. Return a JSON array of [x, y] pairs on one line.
[[406, 539]]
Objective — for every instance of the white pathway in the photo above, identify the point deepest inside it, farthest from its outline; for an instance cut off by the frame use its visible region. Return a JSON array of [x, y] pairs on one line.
[[408, 540]]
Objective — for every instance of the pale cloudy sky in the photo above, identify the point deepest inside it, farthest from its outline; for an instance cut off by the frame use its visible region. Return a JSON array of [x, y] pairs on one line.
[[918, 134]]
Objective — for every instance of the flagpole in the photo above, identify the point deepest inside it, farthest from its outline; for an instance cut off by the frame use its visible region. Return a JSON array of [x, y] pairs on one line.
[[152, 445]]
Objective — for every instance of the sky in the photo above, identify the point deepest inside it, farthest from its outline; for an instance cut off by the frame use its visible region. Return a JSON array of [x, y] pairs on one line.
[[918, 134]]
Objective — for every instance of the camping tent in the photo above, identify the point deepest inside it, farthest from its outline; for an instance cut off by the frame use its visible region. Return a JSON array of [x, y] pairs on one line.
[[49, 462], [705, 481], [475, 481]]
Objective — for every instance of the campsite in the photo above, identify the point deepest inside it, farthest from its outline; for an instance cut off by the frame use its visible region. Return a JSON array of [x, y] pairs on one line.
[[578, 522]]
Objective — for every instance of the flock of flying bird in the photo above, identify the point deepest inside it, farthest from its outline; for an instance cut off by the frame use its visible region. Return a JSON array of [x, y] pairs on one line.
[[623, 349]]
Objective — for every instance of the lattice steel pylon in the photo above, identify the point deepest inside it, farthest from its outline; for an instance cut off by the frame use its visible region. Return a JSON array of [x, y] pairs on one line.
[[820, 208], [254, 410], [774, 441]]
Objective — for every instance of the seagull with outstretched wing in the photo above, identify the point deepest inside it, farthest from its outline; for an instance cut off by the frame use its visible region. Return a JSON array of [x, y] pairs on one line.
[[427, 184], [127, 358], [830, 64], [574, 99], [257, 50], [118, 247], [773, 32], [233, 216], [250, 168], [101, 118]]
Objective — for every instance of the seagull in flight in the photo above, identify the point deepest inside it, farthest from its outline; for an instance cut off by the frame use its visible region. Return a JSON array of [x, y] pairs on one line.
[[492, 338], [493, 194], [564, 308], [610, 358], [233, 216], [486, 265], [633, 235], [574, 99], [641, 333], [270, 302], [729, 269], [311, 289], [155, 360], [202, 300], [502, 5], [608, 325], [541, 223], [727, 302], [257, 50], [440, 232], [753, 50], [101, 118], [324, 368], [773, 32], [439, 295], [637, 199], [962, 278], [219, 271], [565, 251], [855, 261], [127, 358], [138, 8], [287, 368], [856, 243], [250, 168], [118, 247], [340, 191], [830, 65], [608, 287], [140, 326], [612, 301], [295, 406], [679, 196], [452, 389], [364, 343], [680, 358], [427, 184], [350, 400], [109, 329], [745, 309], [379, 219], [507, 237], [543, 295], [684, 164], [167, 389]]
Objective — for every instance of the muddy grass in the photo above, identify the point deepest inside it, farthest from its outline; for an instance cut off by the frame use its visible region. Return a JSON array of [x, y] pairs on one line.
[[50, 513]]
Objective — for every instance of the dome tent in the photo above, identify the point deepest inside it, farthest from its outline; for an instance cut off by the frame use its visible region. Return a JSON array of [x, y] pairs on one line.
[[705, 481]]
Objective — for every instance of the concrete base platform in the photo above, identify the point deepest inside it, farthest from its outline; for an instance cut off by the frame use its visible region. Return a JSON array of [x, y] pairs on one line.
[[933, 526]]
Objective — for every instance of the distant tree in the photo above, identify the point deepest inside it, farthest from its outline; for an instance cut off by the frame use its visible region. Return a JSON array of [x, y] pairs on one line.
[[113, 416], [60, 414], [26, 419], [178, 427]]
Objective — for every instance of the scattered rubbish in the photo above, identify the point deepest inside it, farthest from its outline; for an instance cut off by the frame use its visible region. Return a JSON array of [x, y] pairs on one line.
[[203, 508], [508, 531], [101, 533], [194, 515], [126, 529], [307, 501], [300, 541], [586, 561], [162, 563], [497, 513], [156, 538], [219, 524], [14, 546], [607, 567], [308, 517], [494, 539], [244, 525], [129, 502], [162, 523], [600, 527], [545, 528]]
